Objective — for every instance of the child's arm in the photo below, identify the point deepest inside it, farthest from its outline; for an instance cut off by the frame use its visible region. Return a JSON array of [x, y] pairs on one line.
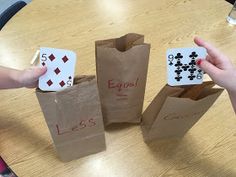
[[12, 78], [219, 68]]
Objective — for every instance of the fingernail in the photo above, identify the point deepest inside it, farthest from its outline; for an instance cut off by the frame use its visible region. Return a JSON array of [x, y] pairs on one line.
[[199, 61]]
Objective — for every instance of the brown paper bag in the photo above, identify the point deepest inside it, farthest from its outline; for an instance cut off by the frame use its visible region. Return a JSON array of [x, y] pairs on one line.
[[121, 66], [176, 109], [74, 118]]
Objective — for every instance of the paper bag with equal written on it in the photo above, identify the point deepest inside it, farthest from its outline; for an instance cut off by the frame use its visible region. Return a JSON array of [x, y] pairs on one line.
[[121, 66], [176, 109], [74, 118]]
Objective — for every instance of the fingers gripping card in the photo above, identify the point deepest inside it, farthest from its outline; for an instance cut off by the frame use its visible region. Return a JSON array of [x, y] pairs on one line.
[[181, 66], [60, 65]]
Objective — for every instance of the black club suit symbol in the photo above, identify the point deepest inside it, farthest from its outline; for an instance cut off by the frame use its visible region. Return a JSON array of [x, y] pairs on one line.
[[193, 62], [178, 56], [185, 67], [191, 70], [193, 55], [178, 64], [191, 77], [178, 71], [178, 78]]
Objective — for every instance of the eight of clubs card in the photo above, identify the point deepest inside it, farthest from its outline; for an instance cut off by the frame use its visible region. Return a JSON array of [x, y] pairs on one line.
[[181, 66], [60, 65]]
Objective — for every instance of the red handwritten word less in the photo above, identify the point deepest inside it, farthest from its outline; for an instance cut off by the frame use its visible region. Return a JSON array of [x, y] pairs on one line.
[[82, 125], [122, 85]]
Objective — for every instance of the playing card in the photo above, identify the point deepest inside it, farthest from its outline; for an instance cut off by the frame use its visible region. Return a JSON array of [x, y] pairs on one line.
[[60, 69], [181, 66]]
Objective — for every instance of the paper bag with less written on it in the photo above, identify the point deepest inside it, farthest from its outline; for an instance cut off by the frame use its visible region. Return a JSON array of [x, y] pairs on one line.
[[74, 118], [176, 109], [121, 66]]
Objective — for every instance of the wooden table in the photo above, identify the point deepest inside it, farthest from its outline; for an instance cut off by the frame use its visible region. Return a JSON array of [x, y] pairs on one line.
[[208, 149]]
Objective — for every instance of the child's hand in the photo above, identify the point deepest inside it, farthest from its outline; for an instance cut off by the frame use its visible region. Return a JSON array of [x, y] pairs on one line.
[[217, 66], [29, 77]]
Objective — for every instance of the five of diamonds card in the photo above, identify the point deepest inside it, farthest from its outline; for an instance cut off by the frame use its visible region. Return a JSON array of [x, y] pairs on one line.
[[181, 66], [60, 65]]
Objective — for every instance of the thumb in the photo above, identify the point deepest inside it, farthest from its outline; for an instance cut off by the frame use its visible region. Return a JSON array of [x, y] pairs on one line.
[[29, 77], [209, 68], [38, 71]]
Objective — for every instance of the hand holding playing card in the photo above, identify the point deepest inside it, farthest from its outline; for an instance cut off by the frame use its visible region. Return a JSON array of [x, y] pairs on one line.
[[60, 69], [218, 66], [14, 78], [29, 77]]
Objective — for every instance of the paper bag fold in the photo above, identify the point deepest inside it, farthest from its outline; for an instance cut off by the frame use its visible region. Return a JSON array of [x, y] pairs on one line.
[[170, 115], [121, 66]]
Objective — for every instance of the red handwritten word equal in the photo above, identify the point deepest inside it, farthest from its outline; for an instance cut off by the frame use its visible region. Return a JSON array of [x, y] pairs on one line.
[[112, 84]]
